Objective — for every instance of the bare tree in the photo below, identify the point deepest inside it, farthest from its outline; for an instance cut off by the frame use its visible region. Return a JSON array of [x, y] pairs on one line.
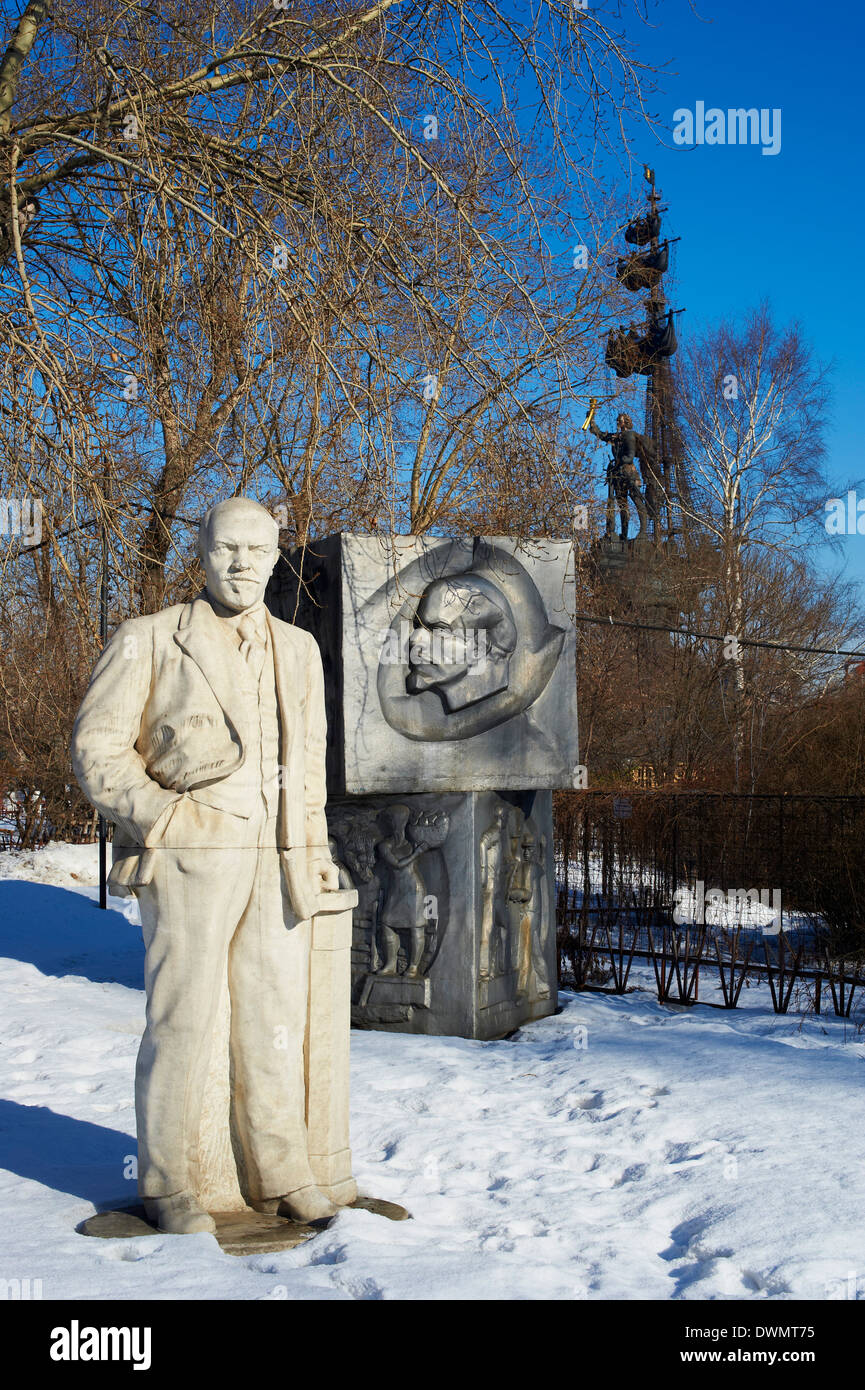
[[752, 407], [315, 252], [301, 253]]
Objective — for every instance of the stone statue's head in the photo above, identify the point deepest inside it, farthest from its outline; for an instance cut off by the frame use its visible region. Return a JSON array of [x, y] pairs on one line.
[[397, 818], [624, 422], [463, 639], [238, 545]]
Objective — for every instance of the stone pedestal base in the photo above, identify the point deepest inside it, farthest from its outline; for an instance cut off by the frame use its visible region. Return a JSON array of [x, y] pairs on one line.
[[454, 931], [327, 1051], [242, 1232]]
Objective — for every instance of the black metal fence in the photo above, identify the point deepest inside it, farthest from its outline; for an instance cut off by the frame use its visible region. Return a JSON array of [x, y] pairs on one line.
[[733, 887]]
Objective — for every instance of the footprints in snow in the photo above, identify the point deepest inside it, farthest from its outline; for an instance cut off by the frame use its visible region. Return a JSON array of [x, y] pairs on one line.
[[696, 1260]]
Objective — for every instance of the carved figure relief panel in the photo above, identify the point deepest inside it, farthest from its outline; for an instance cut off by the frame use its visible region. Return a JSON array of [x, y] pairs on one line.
[[454, 917], [515, 909], [392, 853]]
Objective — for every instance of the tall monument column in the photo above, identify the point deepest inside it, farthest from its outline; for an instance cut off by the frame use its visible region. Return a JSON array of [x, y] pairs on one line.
[[450, 690]]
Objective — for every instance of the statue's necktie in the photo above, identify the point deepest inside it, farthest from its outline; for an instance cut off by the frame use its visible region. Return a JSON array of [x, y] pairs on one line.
[[252, 643]]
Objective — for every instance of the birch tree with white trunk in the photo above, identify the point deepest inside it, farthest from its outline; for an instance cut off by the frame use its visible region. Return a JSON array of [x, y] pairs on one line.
[[751, 404]]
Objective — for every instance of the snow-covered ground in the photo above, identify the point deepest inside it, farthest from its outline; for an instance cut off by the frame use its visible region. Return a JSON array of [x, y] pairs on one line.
[[620, 1150]]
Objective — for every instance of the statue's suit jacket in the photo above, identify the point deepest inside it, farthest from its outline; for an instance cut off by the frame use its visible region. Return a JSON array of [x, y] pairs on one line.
[[163, 718]]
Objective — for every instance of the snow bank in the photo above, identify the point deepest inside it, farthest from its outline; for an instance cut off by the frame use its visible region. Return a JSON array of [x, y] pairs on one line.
[[620, 1150]]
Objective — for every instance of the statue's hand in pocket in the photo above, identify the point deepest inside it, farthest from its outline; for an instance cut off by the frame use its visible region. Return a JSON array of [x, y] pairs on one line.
[[196, 825]]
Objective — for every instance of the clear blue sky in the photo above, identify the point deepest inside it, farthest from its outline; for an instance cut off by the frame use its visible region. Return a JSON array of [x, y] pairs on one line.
[[789, 227]]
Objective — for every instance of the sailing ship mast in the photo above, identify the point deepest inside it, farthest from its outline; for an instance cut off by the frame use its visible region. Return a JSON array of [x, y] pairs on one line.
[[660, 417], [651, 575]]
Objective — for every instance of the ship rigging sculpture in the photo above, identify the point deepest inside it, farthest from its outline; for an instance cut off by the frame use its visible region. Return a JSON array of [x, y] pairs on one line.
[[659, 492]]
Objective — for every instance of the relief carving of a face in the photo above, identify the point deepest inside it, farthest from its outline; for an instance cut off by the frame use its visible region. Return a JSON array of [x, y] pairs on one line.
[[463, 639], [471, 648]]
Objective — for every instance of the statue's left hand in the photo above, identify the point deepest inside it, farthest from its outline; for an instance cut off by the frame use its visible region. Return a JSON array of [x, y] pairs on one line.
[[299, 881], [309, 873], [322, 871]]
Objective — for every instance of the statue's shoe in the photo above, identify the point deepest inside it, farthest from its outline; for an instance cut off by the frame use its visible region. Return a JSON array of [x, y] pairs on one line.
[[178, 1215], [306, 1204]]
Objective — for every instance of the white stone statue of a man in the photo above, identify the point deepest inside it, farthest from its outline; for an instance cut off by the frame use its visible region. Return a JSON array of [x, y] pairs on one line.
[[202, 738]]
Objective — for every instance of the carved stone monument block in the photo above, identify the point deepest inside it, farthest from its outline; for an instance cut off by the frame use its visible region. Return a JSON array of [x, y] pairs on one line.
[[454, 932], [450, 694], [449, 664], [327, 1049]]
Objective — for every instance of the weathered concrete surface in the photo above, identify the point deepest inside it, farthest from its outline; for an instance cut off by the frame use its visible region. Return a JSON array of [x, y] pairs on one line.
[[450, 693], [462, 889], [449, 664]]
